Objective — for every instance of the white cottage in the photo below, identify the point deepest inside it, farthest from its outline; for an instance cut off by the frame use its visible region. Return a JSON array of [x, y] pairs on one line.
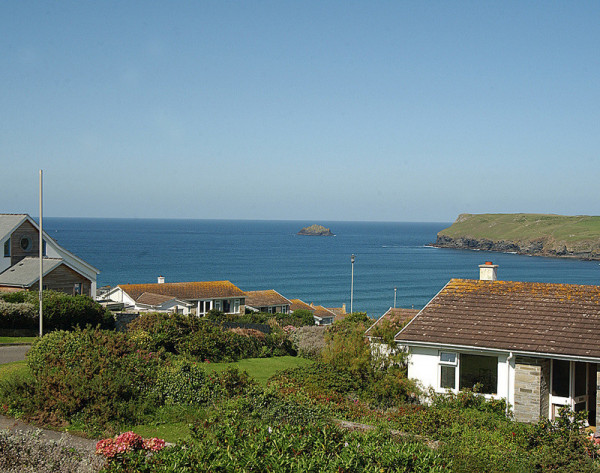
[[534, 344]]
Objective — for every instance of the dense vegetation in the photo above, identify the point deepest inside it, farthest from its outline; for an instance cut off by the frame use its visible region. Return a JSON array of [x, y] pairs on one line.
[[20, 311], [344, 412]]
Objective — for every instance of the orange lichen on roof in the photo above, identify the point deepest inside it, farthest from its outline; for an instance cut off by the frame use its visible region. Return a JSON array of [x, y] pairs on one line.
[[186, 290], [507, 315], [297, 304]]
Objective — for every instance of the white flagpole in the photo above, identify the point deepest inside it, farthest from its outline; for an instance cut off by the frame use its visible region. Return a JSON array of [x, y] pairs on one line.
[[41, 238]]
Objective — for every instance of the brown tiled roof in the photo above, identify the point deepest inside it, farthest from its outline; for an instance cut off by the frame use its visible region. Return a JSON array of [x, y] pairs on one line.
[[322, 312], [337, 310], [551, 319], [186, 290], [148, 298], [266, 298], [297, 304], [397, 318]]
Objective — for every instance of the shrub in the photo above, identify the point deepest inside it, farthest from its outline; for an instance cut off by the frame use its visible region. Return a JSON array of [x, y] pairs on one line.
[[60, 311], [18, 315], [96, 374], [299, 318], [183, 382], [309, 341], [347, 348]]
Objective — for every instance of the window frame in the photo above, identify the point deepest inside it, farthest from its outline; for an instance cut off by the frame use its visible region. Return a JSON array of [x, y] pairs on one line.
[[450, 364]]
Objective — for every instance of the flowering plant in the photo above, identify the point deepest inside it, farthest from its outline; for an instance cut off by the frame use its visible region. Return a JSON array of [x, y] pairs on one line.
[[127, 442]]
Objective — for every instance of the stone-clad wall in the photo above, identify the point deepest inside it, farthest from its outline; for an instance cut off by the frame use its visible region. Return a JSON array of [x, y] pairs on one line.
[[532, 380], [597, 396]]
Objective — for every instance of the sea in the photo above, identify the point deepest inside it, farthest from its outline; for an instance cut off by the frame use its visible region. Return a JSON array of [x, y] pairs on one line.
[[391, 258]]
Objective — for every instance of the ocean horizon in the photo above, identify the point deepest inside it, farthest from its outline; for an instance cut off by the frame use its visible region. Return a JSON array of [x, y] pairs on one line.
[[267, 254]]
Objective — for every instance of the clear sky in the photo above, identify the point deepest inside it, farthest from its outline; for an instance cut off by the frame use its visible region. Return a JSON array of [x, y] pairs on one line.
[[370, 110]]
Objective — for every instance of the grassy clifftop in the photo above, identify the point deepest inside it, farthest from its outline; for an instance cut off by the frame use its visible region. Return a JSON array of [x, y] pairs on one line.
[[539, 234]]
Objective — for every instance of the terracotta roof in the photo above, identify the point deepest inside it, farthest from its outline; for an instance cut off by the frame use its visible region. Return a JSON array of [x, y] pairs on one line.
[[265, 298], [550, 319], [148, 298], [297, 304], [397, 318], [186, 290]]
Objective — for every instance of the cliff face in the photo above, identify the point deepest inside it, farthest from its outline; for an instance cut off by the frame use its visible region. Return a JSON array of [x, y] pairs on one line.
[[489, 232]]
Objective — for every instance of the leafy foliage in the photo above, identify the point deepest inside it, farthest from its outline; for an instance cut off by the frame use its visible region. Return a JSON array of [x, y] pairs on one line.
[[60, 311]]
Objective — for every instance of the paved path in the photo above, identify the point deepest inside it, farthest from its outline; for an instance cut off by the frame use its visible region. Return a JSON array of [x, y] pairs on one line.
[[10, 353]]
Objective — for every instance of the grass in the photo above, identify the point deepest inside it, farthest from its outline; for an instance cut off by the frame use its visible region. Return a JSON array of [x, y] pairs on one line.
[[17, 339], [525, 227], [15, 368], [261, 369]]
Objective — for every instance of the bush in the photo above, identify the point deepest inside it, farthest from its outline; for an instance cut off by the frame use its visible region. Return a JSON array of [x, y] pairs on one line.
[[60, 311], [309, 341], [18, 315], [95, 374]]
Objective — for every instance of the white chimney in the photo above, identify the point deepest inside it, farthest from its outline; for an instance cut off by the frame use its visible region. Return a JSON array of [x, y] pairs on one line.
[[161, 280], [488, 271]]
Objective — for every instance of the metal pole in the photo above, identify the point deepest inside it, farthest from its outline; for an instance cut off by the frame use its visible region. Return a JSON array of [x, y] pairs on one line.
[[395, 298], [352, 284], [41, 238]]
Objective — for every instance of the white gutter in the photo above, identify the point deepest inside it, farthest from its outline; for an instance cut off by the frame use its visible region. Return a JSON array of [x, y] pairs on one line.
[[589, 359]]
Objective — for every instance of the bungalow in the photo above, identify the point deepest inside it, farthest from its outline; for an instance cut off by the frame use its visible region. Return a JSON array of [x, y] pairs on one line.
[[269, 301], [20, 264], [182, 297], [534, 344], [391, 322], [321, 315]]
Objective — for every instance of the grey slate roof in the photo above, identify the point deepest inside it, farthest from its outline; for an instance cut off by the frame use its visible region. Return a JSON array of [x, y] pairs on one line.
[[8, 222], [27, 271]]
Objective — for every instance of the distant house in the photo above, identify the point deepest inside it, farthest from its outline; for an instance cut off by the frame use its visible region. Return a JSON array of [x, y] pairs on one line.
[[534, 344], [268, 301], [340, 312], [182, 297], [396, 318], [20, 265], [321, 315]]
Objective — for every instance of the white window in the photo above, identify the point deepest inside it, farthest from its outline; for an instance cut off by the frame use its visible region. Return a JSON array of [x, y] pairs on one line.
[[447, 371], [218, 305], [236, 306], [77, 288]]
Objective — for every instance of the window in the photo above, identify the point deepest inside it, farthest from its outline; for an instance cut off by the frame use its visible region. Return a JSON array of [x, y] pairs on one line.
[[477, 369], [448, 370], [25, 243], [236, 306], [77, 288], [44, 248], [7, 248], [561, 378], [218, 305]]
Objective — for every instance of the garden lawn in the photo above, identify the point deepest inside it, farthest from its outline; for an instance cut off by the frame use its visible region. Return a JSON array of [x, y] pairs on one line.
[[15, 368], [261, 369], [17, 340]]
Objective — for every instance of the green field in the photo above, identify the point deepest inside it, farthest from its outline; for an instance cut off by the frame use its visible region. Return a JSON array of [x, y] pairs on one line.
[[520, 227]]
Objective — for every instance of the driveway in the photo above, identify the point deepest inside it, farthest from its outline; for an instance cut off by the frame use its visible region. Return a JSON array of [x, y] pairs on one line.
[[10, 353]]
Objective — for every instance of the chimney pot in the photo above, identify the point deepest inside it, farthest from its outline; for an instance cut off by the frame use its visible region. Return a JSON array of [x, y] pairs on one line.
[[488, 271], [161, 280]]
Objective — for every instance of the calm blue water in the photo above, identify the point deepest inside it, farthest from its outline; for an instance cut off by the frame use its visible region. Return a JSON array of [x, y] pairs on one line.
[[269, 255]]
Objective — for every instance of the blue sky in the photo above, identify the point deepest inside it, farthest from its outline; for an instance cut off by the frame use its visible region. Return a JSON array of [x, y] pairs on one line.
[[392, 111]]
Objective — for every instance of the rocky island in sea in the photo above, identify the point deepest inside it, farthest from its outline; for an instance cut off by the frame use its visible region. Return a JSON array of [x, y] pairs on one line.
[[315, 230], [526, 234]]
